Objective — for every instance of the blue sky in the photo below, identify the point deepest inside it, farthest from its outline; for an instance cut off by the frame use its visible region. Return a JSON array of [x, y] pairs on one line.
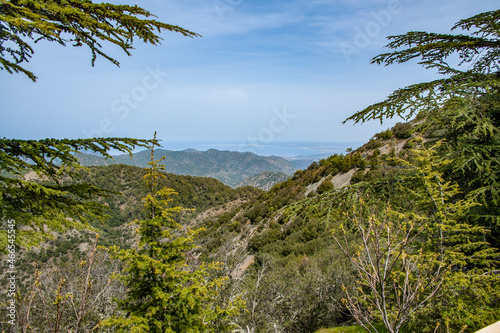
[[267, 76]]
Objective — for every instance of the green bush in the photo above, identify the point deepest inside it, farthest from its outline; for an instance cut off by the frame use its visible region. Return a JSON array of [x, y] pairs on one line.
[[385, 135], [257, 213], [295, 225], [358, 176], [267, 237], [225, 218], [311, 231], [410, 144], [373, 174], [235, 226], [402, 130], [358, 161], [325, 186], [374, 159], [373, 144]]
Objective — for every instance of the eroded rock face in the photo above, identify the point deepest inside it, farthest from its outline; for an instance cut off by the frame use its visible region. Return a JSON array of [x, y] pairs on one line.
[[338, 181], [238, 272]]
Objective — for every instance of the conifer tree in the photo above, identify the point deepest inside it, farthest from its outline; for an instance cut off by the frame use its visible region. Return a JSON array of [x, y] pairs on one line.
[[410, 261], [39, 186], [464, 104], [164, 294], [56, 201], [478, 52], [73, 22]]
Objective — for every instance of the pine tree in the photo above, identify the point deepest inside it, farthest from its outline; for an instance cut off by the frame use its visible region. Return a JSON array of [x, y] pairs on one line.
[[469, 297], [73, 22], [165, 294], [464, 104], [478, 53], [56, 201], [39, 186]]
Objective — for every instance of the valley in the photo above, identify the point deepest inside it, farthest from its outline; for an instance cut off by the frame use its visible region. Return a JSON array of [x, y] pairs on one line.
[[262, 238], [118, 234], [231, 168]]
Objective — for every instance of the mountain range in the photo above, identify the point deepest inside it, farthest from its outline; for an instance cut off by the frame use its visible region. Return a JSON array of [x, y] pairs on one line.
[[278, 243], [231, 168]]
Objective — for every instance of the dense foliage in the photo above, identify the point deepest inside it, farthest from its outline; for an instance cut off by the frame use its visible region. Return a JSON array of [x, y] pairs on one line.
[[454, 194], [198, 192], [463, 107], [54, 203], [163, 293], [123, 187]]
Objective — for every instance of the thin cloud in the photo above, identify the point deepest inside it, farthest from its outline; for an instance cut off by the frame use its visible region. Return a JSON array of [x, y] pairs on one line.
[[215, 18]]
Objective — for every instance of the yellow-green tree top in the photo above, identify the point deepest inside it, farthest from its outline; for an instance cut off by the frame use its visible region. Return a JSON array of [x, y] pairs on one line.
[[165, 294]]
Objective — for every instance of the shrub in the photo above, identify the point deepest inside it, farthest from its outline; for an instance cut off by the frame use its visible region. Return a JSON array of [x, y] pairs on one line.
[[235, 226], [410, 144], [358, 176], [402, 130], [225, 218], [374, 159], [358, 161], [385, 135], [313, 165], [257, 213], [311, 231], [325, 186], [373, 144], [267, 237], [373, 174]]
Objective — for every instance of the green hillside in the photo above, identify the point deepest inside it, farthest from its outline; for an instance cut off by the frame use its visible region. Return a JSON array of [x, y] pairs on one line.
[[199, 193], [287, 231], [265, 239], [264, 180], [124, 203], [226, 166], [276, 246]]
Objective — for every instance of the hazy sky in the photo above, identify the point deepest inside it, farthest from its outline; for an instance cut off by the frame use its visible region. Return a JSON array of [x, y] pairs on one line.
[[264, 73]]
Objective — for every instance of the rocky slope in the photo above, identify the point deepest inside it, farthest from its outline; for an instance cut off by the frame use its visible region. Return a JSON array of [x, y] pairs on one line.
[[264, 180]]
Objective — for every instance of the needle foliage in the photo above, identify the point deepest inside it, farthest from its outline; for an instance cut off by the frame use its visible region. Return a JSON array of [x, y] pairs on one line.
[[79, 23]]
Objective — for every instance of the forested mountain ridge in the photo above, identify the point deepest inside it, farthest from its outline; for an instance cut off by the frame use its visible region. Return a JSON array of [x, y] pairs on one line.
[[370, 161], [226, 166], [126, 189], [376, 160], [237, 221], [286, 232]]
